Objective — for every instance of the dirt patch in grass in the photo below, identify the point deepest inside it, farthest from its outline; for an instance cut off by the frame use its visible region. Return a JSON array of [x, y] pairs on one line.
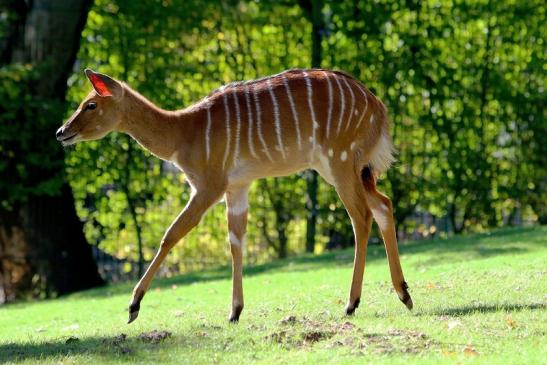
[[303, 332], [154, 336], [118, 343]]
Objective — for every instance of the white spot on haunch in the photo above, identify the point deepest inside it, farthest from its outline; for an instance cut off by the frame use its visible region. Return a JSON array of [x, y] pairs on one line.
[[344, 156], [331, 152], [356, 112], [353, 145], [233, 239]]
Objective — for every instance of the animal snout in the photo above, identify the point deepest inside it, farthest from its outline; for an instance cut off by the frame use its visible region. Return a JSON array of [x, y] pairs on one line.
[[59, 133]]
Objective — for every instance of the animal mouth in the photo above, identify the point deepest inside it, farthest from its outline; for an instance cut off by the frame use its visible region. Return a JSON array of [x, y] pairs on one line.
[[65, 141]]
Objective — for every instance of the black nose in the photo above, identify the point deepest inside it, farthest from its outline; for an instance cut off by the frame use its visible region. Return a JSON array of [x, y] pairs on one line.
[[59, 133]]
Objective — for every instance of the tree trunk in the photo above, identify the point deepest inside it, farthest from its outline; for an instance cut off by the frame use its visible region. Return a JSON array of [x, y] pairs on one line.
[[43, 251]]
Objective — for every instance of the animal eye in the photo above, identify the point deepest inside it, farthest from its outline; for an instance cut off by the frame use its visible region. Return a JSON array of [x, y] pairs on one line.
[[91, 106]]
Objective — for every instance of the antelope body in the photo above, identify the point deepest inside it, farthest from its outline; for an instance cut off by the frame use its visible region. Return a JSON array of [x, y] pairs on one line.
[[274, 126]]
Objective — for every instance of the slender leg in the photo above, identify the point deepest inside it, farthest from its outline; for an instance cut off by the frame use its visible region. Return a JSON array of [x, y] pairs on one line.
[[351, 193], [186, 220], [382, 209], [237, 208]]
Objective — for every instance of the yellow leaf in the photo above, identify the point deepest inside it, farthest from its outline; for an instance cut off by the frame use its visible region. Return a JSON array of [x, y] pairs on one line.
[[511, 322], [470, 351]]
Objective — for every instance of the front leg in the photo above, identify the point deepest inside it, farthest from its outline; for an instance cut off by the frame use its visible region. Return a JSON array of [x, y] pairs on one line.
[[186, 220], [237, 208]]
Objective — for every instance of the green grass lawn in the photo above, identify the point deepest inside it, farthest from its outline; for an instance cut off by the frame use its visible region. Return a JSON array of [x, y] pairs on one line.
[[477, 299]]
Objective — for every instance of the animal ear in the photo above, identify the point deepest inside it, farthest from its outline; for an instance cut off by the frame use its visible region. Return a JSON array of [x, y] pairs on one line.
[[103, 84]]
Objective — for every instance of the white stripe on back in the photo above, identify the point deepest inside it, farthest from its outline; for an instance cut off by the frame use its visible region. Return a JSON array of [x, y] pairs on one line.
[[329, 115], [294, 112], [276, 119], [238, 127], [259, 126], [366, 106], [312, 112], [250, 121], [207, 134], [227, 112], [342, 104], [352, 102]]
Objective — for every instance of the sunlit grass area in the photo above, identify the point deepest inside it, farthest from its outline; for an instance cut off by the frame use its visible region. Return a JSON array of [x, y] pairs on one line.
[[478, 298]]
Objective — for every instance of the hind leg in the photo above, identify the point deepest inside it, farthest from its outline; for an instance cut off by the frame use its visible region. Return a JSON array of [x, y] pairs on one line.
[[382, 209], [350, 190]]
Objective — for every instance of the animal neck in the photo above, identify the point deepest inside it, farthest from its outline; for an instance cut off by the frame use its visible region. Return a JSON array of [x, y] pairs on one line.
[[155, 129]]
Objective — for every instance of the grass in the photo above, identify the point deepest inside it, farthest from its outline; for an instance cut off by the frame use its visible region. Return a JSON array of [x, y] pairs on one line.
[[478, 299]]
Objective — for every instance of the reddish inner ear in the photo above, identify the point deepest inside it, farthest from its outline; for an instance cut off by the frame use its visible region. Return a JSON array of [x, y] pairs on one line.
[[99, 85]]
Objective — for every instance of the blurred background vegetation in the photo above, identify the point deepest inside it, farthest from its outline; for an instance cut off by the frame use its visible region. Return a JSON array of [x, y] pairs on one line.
[[463, 81]]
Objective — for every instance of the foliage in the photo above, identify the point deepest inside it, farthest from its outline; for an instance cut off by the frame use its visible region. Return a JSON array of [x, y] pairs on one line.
[[477, 299], [26, 164], [463, 82]]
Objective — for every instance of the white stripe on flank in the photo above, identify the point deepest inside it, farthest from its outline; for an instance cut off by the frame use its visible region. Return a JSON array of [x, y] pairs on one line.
[[250, 121], [366, 107], [238, 127], [207, 135], [312, 112], [342, 105], [329, 114], [276, 118], [294, 112], [227, 112], [352, 102], [259, 126]]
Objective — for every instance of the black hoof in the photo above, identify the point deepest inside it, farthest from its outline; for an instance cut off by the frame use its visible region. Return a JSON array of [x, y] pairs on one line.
[[236, 312], [407, 301], [132, 316], [134, 310], [350, 309]]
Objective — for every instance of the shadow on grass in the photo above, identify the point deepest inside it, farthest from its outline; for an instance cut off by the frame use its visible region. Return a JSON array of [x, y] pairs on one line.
[[43, 350], [106, 347], [484, 308], [457, 248]]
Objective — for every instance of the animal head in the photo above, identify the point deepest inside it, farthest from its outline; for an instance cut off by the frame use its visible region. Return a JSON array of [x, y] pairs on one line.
[[98, 114]]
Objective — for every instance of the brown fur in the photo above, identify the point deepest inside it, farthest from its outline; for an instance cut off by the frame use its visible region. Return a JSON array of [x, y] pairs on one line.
[[225, 165]]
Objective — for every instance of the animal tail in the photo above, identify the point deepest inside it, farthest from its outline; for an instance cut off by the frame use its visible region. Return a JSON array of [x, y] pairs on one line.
[[382, 155]]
